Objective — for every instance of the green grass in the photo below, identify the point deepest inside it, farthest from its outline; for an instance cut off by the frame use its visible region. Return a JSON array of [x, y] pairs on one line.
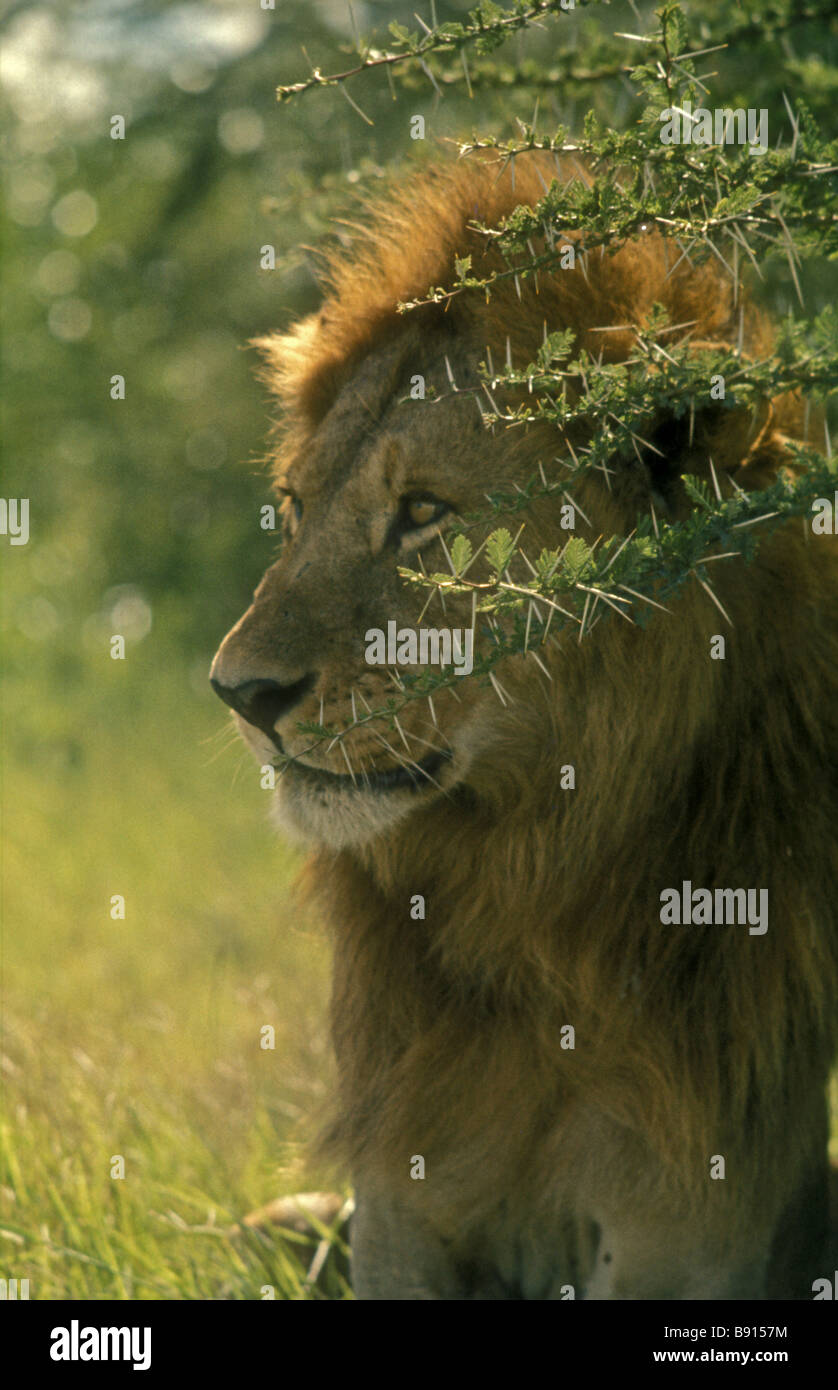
[[141, 1037]]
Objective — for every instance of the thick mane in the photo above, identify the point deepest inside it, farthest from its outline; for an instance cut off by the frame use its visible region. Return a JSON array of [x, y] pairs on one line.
[[543, 905], [409, 243]]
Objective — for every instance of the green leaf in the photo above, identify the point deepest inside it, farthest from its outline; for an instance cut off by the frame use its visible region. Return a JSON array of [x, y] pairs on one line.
[[546, 564], [499, 548], [697, 491], [576, 559], [460, 553]]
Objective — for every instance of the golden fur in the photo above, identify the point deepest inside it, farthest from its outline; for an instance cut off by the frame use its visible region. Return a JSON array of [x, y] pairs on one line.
[[542, 904]]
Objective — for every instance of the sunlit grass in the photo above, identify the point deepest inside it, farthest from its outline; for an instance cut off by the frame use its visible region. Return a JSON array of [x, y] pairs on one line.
[[141, 1037]]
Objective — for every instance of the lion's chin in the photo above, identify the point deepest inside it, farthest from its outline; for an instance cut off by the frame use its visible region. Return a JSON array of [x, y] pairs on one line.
[[345, 818]]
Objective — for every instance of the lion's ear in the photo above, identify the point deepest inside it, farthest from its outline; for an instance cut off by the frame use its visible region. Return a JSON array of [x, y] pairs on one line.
[[285, 356], [769, 455], [751, 446], [298, 368], [730, 434], [736, 439]]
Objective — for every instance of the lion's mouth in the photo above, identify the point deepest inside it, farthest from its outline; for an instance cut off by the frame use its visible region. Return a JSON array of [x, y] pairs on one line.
[[409, 777]]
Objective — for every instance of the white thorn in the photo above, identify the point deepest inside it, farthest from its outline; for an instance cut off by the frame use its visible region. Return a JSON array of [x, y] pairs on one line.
[[710, 594], [448, 558], [497, 688], [537, 658], [584, 616], [575, 505], [348, 764], [644, 598]]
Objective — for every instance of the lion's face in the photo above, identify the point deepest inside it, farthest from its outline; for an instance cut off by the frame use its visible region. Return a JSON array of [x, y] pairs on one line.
[[372, 487], [373, 477]]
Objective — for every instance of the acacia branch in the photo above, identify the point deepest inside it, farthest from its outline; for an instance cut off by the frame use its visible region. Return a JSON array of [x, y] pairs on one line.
[[447, 38]]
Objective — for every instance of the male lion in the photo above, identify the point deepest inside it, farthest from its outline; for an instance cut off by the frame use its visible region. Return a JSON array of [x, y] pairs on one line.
[[678, 1148]]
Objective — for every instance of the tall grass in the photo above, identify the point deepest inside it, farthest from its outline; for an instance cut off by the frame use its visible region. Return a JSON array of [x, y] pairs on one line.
[[141, 1037]]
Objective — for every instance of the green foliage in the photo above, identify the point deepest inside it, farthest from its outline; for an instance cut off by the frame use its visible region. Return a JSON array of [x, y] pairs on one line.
[[461, 552], [499, 550], [487, 27]]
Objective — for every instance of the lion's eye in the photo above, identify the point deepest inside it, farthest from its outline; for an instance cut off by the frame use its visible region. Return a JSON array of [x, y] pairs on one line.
[[422, 511]]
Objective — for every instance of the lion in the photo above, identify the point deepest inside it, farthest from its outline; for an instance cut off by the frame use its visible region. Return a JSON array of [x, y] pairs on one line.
[[545, 1090]]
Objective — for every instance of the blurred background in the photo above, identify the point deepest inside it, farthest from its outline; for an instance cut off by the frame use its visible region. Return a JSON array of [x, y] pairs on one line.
[[141, 257]]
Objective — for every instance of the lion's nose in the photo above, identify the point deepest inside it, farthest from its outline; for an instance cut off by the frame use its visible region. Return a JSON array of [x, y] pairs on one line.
[[262, 702]]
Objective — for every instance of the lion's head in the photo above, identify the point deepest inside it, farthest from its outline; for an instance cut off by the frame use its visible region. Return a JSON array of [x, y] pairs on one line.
[[384, 449]]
